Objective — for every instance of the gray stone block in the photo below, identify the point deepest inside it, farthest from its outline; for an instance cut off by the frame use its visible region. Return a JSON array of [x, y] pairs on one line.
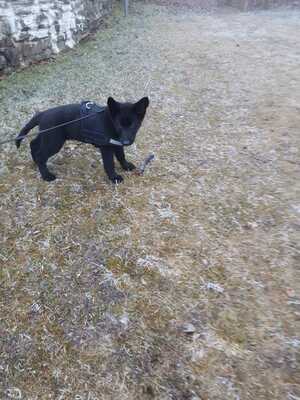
[[31, 30]]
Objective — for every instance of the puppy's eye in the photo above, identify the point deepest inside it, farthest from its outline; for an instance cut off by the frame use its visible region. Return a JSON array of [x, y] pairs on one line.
[[125, 122]]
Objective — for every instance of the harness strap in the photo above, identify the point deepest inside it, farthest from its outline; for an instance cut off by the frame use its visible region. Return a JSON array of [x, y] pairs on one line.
[[91, 129]]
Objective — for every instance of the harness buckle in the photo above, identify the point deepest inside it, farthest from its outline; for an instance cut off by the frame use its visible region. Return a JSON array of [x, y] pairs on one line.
[[89, 105]]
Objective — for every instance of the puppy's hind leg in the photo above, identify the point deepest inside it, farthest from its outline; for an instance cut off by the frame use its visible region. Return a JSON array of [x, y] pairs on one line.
[[46, 146], [34, 147], [40, 160], [45, 173]]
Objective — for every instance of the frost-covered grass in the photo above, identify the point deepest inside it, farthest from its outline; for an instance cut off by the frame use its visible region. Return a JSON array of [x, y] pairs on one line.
[[180, 284]]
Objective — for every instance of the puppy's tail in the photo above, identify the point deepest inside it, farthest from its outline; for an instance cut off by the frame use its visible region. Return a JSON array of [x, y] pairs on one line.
[[35, 120]]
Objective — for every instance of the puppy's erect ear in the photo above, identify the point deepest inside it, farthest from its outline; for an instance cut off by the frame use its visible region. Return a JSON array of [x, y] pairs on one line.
[[113, 106], [141, 105]]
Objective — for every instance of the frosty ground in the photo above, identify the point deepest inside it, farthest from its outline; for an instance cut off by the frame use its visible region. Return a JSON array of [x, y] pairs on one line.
[[180, 284]]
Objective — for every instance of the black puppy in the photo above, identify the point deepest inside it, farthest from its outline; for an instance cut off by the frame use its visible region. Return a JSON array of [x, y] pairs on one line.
[[116, 123]]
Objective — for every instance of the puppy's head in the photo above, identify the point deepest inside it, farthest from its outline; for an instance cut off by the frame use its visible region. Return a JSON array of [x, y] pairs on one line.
[[127, 118]]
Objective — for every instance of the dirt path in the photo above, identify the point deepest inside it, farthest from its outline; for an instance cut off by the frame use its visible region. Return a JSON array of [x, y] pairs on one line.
[[97, 284]]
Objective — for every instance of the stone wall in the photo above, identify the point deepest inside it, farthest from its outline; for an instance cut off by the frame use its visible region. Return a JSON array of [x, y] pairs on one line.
[[33, 30]]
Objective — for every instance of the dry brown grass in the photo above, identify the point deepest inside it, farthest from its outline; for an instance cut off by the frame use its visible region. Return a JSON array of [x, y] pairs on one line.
[[97, 282]]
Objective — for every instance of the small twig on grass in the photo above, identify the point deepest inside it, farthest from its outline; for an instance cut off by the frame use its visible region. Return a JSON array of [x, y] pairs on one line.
[[141, 169]]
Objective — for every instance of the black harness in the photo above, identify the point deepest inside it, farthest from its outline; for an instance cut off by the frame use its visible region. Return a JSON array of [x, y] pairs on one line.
[[90, 129]]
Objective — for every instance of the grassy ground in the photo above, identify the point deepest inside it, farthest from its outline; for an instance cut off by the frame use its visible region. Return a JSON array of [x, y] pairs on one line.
[[180, 284]]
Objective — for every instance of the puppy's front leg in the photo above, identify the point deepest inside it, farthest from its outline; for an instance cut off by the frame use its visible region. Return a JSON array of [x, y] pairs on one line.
[[126, 165], [107, 153]]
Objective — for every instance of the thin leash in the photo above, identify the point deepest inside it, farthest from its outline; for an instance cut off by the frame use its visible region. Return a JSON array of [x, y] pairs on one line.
[[46, 130]]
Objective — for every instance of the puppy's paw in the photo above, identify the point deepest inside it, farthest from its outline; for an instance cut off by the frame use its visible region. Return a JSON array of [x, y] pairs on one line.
[[128, 166], [116, 179], [49, 177]]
